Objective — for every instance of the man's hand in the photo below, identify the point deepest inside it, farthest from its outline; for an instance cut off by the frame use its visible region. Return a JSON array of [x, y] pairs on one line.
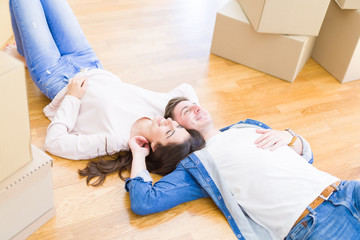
[[272, 139], [77, 87]]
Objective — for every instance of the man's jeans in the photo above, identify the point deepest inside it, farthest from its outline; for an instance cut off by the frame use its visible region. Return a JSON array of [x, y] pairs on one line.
[[335, 219], [50, 38]]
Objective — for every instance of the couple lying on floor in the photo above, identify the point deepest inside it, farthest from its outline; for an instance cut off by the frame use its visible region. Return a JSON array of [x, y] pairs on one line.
[[259, 178]]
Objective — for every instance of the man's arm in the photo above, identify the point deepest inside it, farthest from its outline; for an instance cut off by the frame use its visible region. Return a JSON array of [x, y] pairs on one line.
[[273, 139], [173, 189]]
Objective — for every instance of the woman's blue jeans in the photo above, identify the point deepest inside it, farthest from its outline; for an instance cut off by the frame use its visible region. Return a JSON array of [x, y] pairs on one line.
[[50, 38], [335, 219]]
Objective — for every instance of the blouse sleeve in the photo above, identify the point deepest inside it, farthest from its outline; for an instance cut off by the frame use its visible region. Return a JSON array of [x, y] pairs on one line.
[[61, 142], [173, 189]]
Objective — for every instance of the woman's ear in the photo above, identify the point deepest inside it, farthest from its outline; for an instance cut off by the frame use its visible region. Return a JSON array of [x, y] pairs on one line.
[[154, 146]]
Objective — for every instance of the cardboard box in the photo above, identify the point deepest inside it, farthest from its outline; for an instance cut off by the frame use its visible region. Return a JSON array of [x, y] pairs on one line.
[[5, 23], [297, 17], [235, 39], [337, 49], [26, 198], [349, 4], [14, 122]]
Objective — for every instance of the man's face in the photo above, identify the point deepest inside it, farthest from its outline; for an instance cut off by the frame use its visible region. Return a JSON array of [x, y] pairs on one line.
[[192, 116]]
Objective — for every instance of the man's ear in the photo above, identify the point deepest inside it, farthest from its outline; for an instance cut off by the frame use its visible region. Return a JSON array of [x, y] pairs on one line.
[[153, 146]]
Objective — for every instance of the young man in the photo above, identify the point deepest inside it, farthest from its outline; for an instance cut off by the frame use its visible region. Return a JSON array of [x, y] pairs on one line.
[[190, 115], [264, 193]]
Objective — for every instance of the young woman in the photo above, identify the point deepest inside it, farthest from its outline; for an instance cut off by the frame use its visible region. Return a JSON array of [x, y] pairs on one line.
[[92, 112]]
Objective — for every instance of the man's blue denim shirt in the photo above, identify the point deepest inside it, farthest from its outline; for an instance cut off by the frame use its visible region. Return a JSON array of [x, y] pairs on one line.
[[193, 179]]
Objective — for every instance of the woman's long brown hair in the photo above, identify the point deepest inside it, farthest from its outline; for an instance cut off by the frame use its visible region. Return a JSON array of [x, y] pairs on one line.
[[162, 161]]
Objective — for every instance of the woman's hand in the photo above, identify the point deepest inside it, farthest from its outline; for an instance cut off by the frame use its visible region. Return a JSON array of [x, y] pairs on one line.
[[77, 87], [139, 146], [272, 139]]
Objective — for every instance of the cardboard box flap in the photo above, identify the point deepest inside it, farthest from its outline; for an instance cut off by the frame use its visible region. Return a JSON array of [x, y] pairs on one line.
[[234, 10], [40, 159], [349, 4], [296, 17]]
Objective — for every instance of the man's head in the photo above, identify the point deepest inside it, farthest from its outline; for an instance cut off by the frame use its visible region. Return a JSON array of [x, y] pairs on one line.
[[188, 114]]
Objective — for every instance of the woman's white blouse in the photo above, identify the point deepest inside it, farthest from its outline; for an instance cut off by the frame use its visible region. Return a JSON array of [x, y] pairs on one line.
[[80, 129]]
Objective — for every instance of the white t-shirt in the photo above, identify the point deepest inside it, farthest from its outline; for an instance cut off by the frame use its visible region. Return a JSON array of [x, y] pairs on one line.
[[273, 187], [107, 110]]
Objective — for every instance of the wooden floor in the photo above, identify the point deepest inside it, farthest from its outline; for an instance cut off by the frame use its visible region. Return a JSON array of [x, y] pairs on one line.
[[158, 45]]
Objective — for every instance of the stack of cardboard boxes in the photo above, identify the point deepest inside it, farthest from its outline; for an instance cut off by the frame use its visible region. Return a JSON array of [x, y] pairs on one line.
[[26, 193], [276, 37], [337, 48]]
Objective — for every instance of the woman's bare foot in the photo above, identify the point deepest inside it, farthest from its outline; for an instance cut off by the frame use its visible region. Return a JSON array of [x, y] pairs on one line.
[[12, 51]]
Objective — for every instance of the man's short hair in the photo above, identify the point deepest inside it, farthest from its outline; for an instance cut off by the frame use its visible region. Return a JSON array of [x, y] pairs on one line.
[[169, 109]]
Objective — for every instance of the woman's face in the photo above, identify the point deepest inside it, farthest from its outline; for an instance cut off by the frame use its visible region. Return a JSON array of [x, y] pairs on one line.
[[165, 131]]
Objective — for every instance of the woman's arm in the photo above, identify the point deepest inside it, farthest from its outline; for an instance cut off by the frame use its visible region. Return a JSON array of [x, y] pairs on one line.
[[59, 140], [140, 149], [173, 189], [61, 143]]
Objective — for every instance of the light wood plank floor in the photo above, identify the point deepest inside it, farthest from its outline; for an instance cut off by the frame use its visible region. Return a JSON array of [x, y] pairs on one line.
[[158, 45]]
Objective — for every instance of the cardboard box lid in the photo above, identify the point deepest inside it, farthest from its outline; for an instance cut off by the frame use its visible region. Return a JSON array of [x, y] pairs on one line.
[[234, 10], [349, 4], [40, 160], [26, 196], [297, 17]]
